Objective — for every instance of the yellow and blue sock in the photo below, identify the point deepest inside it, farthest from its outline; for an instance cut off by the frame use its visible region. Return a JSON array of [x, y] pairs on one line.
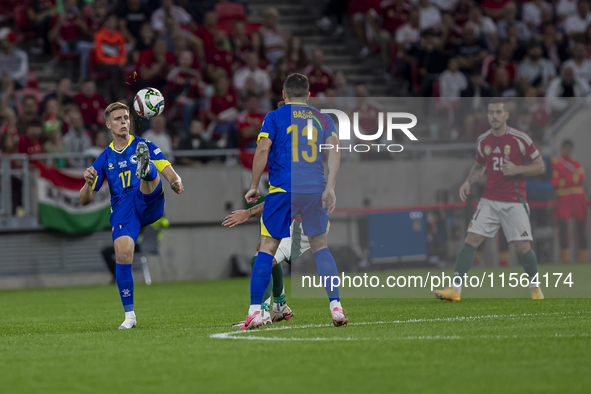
[[152, 172], [327, 267], [125, 285], [261, 275]]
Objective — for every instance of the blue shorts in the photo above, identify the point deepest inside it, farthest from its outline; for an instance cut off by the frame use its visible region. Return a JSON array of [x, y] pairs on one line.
[[281, 208], [136, 211]]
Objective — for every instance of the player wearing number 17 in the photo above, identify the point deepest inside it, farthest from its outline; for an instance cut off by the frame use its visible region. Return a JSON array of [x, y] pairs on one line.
[[289, 139], [131, 166], [502, 151]]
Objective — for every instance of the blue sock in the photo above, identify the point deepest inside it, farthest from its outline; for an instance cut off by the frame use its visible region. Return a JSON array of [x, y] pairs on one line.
[[327, 267], [261, 276], [152, 172], [125, 285]]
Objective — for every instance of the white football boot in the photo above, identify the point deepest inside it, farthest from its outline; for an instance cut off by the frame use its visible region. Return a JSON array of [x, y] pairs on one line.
[[129, 322]]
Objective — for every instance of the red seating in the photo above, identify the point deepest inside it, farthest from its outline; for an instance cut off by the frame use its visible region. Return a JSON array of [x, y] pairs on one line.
[[32, 82], [230, 12]]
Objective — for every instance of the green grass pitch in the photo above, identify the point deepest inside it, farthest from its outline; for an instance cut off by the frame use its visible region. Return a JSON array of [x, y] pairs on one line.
[[65, 340]]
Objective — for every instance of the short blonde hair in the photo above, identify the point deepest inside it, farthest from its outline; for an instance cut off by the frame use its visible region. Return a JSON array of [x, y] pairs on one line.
[[114, 107]]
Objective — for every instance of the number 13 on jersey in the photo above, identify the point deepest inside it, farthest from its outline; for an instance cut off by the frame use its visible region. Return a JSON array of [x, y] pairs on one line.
[[309, 157]]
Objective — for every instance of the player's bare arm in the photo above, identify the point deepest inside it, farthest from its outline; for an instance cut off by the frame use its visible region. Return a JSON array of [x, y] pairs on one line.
[[329, 199], [536, 167], [176, 183], [86, 193], [475, 173], [242, 215], [258, 166]]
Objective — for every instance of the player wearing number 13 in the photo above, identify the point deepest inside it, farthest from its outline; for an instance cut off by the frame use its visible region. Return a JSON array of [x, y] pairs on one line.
[[290, 139], [502, 152], [131, 166]]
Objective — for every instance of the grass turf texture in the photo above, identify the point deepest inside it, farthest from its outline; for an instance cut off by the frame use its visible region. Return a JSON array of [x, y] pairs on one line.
[[65, 340]]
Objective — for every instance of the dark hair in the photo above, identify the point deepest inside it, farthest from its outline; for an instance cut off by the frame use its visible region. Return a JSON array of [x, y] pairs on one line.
[[34, 123], [29, 97], [567, 142], [498, 100], [86, 80], [296, 85]]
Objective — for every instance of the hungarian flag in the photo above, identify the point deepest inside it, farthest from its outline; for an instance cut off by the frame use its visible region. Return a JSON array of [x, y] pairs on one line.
[[60, 207]]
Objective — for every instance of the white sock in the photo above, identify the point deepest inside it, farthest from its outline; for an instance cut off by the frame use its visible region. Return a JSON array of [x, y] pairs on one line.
[[335, 304], [130, 315], [254, 308]]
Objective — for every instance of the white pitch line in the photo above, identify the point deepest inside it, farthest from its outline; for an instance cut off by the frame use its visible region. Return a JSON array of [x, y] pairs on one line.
[[243, 334]]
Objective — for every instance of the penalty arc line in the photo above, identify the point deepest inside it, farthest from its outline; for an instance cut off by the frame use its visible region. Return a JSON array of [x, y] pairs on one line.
[[244, 334]]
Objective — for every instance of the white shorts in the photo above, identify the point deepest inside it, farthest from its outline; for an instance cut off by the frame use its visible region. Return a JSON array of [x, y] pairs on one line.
[[293, 247], [512, 216]]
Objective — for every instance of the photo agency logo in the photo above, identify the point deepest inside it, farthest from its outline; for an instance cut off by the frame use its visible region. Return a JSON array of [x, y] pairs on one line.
[[392, 120]]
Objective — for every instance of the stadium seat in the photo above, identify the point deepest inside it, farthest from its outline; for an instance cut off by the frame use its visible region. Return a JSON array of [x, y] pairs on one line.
[[21, 22], [32, 82], [230, 12]]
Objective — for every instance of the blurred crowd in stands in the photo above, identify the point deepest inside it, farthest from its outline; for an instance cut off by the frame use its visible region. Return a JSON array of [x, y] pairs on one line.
[[221, 73]]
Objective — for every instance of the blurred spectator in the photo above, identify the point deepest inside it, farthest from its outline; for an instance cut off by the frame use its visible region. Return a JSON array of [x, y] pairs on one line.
[[334, 9], [249, 122], [524, 122], [576, 24], [219, 57], [13, 61], [252, 70], [97, 16], [474, 103], [100, 143], [52, 117], [320, 77], [297, 59], [111, 57], [154, 65], [40, 13], [279, 76], [194, 141], [494, 8], [504, 86], [470, 51], [367, 109], [342, 88], [555, 45], [62, 94], [502, 60], [145, 41], [8, 125], [461, 11], [55, 144], [538, 111], [223, 112], [390, 15], [510, 19], [536, 70], [30, 142], [450, 36], [429, 16], [132, 15], [167, 8], [29, 113], [532, 13], [431, 62], [8, 97], [239, 40], [185, 88], [566, 8], [157, 134], [90, 104], [77, 139], [561, 92], [452, 81], [68, 28], [257, 46], [484, 27], [579, 63], [206, 31], [274, 38]]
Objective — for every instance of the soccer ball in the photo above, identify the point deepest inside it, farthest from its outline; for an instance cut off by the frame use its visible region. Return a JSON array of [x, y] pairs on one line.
[[148, 102]]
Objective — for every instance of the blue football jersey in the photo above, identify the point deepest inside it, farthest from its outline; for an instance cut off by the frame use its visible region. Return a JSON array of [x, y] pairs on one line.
[[295, 160], [119, 167]]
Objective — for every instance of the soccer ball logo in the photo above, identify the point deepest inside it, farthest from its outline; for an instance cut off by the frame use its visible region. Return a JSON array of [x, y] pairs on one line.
[[148, 102]]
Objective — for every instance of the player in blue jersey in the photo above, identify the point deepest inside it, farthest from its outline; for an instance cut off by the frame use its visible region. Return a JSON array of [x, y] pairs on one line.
[[131, 166], [297, 186]]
